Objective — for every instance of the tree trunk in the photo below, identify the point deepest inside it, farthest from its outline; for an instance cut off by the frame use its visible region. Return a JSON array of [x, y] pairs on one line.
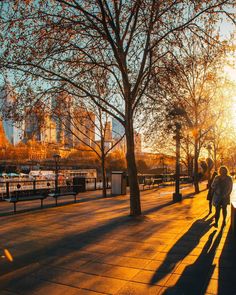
[[103, 170], [196, 176], [135, 205]]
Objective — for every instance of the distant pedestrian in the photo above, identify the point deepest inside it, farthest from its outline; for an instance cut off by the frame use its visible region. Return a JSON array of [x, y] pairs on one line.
[[222, 187], [210, 191]]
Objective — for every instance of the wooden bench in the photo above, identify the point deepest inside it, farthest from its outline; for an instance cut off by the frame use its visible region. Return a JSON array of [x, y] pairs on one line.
[[157, 181], [27, 195], [152, 182], [63, 191], [186, 179]]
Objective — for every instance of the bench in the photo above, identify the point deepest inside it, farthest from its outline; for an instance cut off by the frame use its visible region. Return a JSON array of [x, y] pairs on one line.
[[186, 179], [152, 182], [27, 195], [63, 191], [157, 181]]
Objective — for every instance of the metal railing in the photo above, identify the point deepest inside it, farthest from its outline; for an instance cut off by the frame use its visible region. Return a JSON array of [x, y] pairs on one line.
[[8, 187]]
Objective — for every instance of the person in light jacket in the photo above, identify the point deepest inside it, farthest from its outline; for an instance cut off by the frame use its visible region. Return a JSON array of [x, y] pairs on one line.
[[222, 187]]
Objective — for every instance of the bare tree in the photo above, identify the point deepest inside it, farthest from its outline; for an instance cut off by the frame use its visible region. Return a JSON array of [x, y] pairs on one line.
[[192, 90], [69, 41]]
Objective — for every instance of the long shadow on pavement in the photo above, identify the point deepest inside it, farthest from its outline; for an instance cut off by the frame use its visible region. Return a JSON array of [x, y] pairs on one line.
[[182, 248], [21, 268], [196, 276]]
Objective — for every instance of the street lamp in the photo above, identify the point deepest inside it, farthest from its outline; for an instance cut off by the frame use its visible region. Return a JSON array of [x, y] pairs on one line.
[[176, 113], [177, 196], [57, 159]]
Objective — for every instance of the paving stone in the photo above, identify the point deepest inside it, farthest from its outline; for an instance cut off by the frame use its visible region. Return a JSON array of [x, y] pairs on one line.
[[102, 284], [95, 268], [124, 261], [94, 247], [151, 277], [119, 272], [164, 266], [57, 289], [139, 289]]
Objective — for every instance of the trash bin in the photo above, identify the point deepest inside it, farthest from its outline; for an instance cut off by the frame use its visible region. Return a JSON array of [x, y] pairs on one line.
[[118, 183], [79, 184]]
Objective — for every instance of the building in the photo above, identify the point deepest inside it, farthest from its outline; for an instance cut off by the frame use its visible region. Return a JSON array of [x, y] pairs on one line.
[[62, 109], [39, 126], [118, 129], [48, 130], [83, 127], [32, 125], [74, 124], [12, 129], [138, 142], [108, 131]]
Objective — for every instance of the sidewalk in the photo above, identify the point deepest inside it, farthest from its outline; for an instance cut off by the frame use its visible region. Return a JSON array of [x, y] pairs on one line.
[[94, 247]]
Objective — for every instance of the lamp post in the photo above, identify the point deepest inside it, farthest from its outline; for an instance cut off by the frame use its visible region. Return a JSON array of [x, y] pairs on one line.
[[177, 196], [57, 159], [209, 148]]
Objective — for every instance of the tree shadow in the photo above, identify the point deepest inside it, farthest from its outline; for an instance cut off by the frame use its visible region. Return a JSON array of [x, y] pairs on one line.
[[73, 246], [182, 248], [69, 248]]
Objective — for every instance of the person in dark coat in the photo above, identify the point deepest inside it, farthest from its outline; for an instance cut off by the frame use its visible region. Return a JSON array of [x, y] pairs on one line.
[[210, 191], [222, 187]]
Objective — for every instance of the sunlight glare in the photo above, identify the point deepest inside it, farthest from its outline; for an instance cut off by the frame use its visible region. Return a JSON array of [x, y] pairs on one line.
[[230, 73]]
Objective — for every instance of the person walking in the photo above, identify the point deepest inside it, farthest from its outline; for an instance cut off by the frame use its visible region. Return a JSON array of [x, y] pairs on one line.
[[222, 187], [210, 191]]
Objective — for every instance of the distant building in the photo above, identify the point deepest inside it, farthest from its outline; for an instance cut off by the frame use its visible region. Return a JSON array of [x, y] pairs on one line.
[[62, 109], [38, 125], [118, 129], [138, 142], [13, 131], [48, 131], [83, 127], [107, 144], [74, 124], [32, 126], [108, 131]]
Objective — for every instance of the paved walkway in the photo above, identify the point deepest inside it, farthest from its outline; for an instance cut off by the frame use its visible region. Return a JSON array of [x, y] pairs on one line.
[[95, 248]]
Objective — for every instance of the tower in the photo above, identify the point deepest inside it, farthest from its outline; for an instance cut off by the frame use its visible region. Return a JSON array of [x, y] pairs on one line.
[[12, 130]]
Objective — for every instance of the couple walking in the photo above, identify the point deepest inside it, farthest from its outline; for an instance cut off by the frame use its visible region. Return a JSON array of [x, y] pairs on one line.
[[220, 188]]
